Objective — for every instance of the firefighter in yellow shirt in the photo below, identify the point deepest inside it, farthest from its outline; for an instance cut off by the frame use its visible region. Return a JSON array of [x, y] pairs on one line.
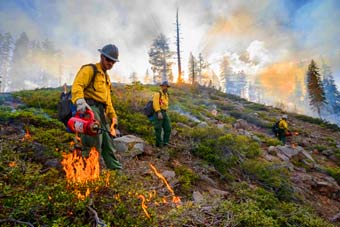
[[91, 89], [283, 129], [161, 120]]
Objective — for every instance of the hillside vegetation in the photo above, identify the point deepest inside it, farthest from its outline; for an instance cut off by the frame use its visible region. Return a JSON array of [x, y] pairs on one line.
[[223, 163]]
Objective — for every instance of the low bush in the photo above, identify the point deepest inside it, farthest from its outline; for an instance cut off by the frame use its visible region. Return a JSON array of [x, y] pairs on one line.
[[186, 178], [270, 176]]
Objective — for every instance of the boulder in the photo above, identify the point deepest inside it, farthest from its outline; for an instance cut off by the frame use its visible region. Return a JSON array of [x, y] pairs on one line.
[[288, 153], [129, 144]]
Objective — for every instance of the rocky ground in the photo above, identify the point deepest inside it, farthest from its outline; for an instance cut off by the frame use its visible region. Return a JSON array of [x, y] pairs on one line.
[[306, 157]]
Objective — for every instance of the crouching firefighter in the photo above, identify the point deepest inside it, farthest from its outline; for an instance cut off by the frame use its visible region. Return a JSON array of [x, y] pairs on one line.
[[91, 90]]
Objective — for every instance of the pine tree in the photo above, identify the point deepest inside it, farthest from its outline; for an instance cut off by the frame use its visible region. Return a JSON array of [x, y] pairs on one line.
[[160, 59], [133, 77], [297, 97], [332, 94], [202, 66], [178, 49], [147, 79], [20, 65], [6, 49], [192, 69], [225, 73], [315, 89]]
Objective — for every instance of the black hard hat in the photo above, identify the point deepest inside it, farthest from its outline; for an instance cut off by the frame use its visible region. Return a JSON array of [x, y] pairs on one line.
[[165, 83], [110, 51]]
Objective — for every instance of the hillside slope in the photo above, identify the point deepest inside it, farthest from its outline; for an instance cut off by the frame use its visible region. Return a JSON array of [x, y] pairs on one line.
[[223, 163]]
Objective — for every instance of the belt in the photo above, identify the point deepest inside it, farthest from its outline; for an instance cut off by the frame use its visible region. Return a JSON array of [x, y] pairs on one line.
[[163, 110]]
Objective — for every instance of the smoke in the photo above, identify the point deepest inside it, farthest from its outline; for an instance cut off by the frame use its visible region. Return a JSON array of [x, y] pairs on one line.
[[256, 37]]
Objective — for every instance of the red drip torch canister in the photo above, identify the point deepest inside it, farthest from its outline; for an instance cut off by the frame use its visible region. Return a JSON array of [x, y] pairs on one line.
[[84, 123]]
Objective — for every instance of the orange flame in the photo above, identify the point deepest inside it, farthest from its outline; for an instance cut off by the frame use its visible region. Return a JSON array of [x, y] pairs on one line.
[[27, 135], [79, 169], [144, 206], [12, 164], [107, 179], [175, 199]]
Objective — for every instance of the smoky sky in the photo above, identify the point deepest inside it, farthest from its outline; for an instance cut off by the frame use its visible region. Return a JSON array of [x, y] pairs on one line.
[[282, 31]]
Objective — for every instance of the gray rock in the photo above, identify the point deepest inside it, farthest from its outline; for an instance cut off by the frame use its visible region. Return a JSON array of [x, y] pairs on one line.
[[169, 174], [336, 218], [208, 180], [241, 124], [197, 196], [255, 138], [287, 151], [53, 163], [327, 152], [272, 150], [139, 147], [128, 142], [202, 125], [217, 192]]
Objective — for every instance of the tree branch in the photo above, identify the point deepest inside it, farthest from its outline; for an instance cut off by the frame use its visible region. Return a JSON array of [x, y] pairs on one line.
[[16, 221]]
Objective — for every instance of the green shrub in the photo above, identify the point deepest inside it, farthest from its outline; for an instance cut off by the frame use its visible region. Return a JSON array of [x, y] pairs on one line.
[[318, 121], [271, 177], [186, 178], [223, 151], [334, 172], [272, 141]]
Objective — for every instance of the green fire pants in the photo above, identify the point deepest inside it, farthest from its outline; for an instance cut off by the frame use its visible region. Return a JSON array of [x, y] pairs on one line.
[[282, 137], [159, 125], [103, 141]]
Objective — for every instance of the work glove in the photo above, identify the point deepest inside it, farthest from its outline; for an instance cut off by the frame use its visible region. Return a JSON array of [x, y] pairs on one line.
[[159, 115], [82, 105], [113, 127]]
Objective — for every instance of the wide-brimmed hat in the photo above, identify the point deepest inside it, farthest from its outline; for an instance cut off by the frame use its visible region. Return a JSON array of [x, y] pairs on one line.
[[110, 51], [165, 83]]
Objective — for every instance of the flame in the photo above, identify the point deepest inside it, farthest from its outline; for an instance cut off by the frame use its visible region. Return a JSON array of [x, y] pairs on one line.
[[296, 133], [107, 179], [12, 164], [144, 206], [81, 170], [175, 199], [27, 135]]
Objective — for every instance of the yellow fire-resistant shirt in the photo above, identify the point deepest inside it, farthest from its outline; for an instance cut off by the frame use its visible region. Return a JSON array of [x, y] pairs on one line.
[[160, 103], [82, 88], [283, 124]]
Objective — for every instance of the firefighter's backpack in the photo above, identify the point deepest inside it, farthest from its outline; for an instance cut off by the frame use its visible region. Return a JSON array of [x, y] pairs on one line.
[[65, 108], [148, 108], [276, 128]]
